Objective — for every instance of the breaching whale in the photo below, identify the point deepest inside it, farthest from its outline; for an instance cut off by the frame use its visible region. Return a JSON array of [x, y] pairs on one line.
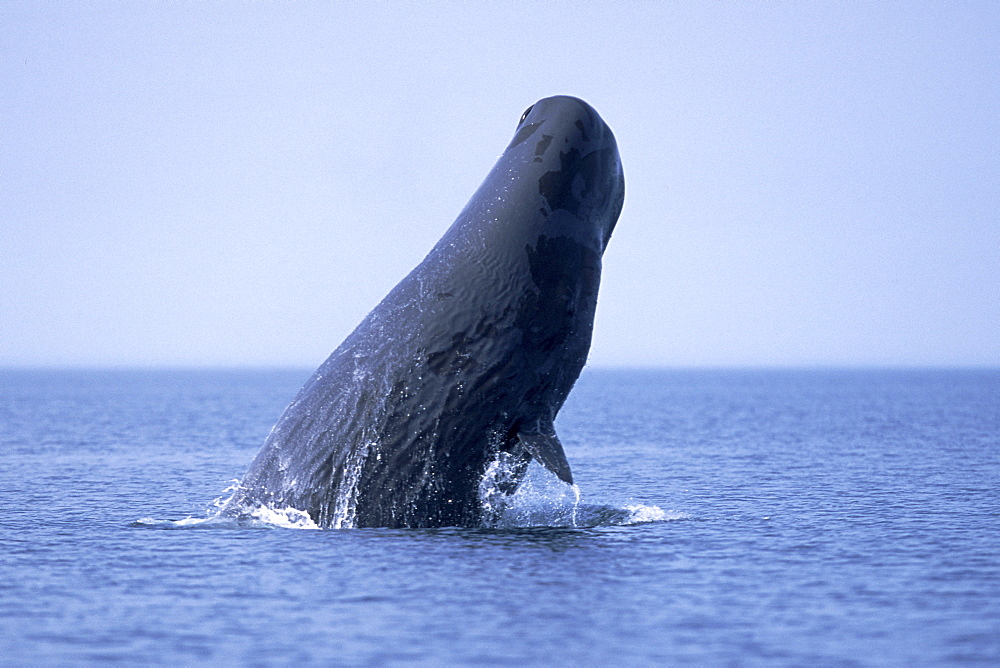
[[467, 361]]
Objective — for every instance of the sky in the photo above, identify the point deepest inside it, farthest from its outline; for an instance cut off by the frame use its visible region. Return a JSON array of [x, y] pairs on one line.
[[238, 184]]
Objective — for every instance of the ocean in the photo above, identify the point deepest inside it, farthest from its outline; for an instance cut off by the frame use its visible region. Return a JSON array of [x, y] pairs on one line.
[[724, 517]]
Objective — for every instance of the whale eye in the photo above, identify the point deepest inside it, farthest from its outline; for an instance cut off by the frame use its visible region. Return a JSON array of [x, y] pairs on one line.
[[525, 114]]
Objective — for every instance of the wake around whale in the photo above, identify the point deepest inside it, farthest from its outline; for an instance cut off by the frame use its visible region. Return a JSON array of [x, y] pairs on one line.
[[463, 366]]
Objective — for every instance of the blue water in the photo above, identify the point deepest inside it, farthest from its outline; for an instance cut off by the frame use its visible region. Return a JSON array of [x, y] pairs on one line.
[[727, 517]]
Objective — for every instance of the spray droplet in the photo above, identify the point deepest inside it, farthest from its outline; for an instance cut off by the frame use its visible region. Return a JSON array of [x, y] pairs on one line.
[[576, 503]]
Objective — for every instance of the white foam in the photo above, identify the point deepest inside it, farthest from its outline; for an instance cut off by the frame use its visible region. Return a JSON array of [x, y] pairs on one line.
[[146, 521], [640, 514], [285, 518], [172, 524], [263, 516], [192, 521]]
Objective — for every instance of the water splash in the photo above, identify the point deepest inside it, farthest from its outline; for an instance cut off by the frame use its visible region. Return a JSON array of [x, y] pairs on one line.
[[498, 480], [542, 500], [576, 501], [218, 516], [345, 505], [263, 517], [639, 514], [219, 503], [186, 523], [284, 518]]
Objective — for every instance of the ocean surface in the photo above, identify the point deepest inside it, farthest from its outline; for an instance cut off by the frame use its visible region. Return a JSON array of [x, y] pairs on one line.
[[846, 517]]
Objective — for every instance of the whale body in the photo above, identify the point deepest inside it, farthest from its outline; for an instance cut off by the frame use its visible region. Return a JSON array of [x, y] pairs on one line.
[[467, 361]]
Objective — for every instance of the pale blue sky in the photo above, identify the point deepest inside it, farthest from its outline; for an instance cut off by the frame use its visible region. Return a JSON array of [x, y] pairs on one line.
[[239, 183]]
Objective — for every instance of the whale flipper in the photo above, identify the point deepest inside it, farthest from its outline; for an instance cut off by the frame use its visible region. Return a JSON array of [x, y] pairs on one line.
[[544, 445]]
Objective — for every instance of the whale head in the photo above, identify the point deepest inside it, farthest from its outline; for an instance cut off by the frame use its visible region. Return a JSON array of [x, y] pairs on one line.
[[564, 144]]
